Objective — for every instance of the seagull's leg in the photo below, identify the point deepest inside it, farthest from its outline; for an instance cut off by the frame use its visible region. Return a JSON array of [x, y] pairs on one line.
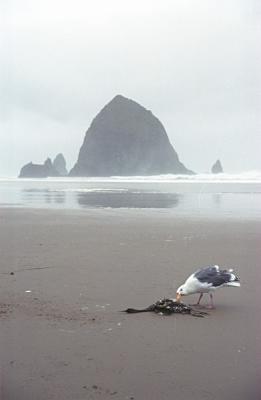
[[211, 305], [198, 303], [200, 297]]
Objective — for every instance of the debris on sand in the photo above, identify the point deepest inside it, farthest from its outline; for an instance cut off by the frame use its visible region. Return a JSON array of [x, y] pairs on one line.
[[168, 307]]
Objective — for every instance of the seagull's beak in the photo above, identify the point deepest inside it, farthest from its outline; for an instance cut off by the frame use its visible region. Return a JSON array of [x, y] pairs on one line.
[[178, 297]]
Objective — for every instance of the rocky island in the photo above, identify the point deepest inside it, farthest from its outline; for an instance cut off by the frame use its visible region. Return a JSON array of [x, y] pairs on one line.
[[48, 168], [59, 164], [217, 168], [126, 139]]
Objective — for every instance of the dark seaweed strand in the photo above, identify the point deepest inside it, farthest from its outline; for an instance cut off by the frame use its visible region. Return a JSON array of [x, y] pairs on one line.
[[196, 313], [135, 310]]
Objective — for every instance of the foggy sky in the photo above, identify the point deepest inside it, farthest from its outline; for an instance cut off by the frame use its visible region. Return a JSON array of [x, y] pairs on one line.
[[194, 63]]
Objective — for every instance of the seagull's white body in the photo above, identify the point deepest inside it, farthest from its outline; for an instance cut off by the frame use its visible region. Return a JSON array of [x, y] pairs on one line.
[[206, 280]]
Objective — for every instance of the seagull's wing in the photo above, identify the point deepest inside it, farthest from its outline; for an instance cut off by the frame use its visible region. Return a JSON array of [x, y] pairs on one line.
[[213, 276]]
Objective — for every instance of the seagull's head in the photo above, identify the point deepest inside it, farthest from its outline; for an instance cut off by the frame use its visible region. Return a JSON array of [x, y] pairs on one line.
[[181, 291]]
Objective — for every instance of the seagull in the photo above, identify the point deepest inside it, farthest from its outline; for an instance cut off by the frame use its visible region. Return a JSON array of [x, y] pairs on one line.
[[207, 280]]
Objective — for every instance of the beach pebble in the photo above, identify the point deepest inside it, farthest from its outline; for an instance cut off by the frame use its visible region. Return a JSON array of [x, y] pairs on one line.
[[85, 308], [108, 330]]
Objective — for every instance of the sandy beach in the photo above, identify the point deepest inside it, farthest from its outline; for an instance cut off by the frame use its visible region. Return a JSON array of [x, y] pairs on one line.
[[65, 276]]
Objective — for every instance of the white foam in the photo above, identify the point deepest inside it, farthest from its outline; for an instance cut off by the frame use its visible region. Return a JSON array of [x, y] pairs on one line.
[[253, 176], [93, 190]]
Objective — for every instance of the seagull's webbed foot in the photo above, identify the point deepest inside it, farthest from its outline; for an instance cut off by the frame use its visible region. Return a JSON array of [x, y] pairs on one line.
[[210, 307]]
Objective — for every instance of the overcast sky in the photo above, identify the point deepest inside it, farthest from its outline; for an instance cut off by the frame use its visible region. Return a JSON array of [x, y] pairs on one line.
[[194, 63]]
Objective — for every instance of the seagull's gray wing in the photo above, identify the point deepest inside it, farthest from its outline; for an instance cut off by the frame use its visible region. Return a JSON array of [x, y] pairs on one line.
[[213, 276]]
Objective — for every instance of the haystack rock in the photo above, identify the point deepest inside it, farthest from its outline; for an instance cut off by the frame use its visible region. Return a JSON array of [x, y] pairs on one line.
[[126, 139], [217, 168], [59, 164]]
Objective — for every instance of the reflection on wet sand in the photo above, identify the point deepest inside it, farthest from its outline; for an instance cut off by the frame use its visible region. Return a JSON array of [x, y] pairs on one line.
[[190, 201], [43, 195], [217, 198], [128, 199]]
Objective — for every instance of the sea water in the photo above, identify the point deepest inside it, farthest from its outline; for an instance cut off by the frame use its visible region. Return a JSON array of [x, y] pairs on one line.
[[229, 195]]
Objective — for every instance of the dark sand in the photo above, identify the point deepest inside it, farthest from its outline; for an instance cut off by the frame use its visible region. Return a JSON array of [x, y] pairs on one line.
[[66, 339]]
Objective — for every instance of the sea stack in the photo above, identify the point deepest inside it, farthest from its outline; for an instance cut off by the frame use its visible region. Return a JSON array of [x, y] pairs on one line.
[[48, 168], [31, 170], [217, 168], [126, 139], [59, 164]]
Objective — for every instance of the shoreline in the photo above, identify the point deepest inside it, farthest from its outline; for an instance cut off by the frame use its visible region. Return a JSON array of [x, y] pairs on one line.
[[206, 200], [131, 212]]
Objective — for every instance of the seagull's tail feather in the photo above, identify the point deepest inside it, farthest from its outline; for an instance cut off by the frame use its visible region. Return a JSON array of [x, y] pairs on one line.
[[235, 284], [233, 279]]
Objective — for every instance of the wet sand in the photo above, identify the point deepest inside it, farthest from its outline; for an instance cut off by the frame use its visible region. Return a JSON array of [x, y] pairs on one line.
[[65, 276]]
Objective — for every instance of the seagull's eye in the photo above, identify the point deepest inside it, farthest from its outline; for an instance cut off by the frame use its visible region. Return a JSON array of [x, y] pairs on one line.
[[181, 290]]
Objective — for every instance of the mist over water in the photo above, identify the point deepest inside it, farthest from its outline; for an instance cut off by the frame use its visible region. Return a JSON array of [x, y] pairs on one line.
[[222, 195]]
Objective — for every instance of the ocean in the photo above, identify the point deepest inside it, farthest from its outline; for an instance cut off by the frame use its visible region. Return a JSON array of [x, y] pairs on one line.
[[221, 195]]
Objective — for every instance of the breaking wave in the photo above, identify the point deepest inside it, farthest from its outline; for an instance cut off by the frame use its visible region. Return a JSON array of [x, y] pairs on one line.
[[244, 177]]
